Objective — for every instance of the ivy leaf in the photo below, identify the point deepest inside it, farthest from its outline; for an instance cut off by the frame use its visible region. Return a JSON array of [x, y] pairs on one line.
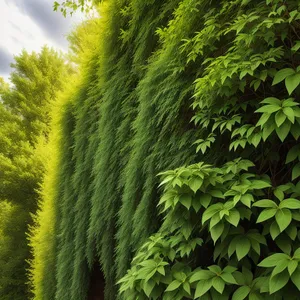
[[291, 82]]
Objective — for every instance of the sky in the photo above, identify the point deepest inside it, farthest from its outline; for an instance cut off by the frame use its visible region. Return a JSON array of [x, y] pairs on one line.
[[30, 24]]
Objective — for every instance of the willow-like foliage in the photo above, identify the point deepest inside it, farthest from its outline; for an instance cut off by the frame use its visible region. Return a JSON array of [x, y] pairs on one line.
[[128, 118]]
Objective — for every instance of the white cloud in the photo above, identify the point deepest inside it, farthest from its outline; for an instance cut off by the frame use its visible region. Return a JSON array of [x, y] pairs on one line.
[[30, 24]]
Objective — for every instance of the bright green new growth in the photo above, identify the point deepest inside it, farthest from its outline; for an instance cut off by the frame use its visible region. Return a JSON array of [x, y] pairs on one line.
[[24, 127], [209, 91]]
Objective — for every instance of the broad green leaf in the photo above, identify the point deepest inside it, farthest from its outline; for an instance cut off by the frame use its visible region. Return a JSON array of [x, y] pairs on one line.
[[186, 200], [187, 287], [280, 117], [292, 266], [292, 154], [241, 293], [279, 194], [195, 183], [273, 260], [218, 284], [296, 278], [283, 130], [263, 119], [278, 282], [274, 230], [148, 287], [280, 266], [283, 218], [266, 214], [202, 275], [202, 287], [290, 203], [228, 277], [269, 109], [265, 203], [291, 82], [289, 112], [173, 285], [296, 171], [242, 248], [217, 231], [205, 200], [282, 74], [234, 217]]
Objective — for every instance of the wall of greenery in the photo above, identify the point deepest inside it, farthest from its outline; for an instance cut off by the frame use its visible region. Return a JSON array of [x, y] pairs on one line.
[[204, 93]]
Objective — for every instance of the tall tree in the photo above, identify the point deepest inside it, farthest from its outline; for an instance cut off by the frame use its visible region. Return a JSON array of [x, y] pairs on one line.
[[24, 125]]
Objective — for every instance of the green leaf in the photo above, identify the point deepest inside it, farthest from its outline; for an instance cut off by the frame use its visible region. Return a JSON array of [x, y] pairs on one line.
[[290, 203], [283, 218], [148, 287], [266, 214], [201, 275], [241, 293], [282, 74], [227, 277], [173, 286], [273, 260], [205, 200], [278, 282], [292, 154], [296, 171], [274, 230], [280, 117], [293, 264], [218, 284], [283, 130], [233, 218], [195, 183], [296, 278], [269, 109], [265, 203], [281, 265], [292, 82], [242, 248], [289, 112], [186, 200], [203, 287], [217, 231]]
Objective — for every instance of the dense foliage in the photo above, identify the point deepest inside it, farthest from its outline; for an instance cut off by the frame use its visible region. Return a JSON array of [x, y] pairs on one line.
[[206, 94], [24, 127]]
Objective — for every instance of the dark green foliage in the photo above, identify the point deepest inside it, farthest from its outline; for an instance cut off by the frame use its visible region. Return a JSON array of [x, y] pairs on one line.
[[169, 84]]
